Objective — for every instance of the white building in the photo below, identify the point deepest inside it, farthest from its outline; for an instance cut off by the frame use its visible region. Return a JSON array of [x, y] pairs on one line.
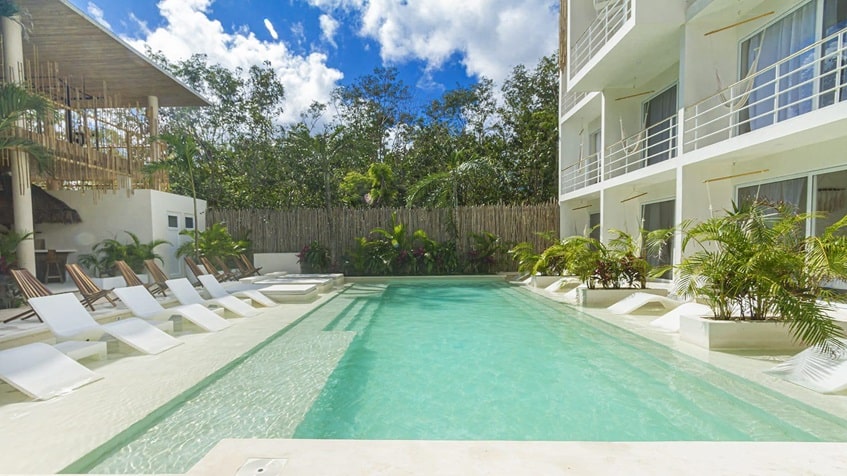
[[673, 109], [107, 97]]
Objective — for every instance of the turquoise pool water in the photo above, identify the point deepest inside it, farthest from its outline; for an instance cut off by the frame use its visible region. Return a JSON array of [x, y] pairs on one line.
[[468, 361]]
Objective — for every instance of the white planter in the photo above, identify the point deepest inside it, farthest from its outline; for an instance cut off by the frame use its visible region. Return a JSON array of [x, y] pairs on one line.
[[599, 297], [542, 282], [737, 335]]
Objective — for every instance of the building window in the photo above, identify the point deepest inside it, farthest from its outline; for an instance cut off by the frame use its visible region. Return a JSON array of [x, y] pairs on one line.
[[791, 191], [594, 226], [660, 113], [173, 221], [659, 216], [189, 223]]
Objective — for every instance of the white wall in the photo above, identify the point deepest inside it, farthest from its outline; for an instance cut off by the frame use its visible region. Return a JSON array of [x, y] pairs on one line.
[[109, 214]]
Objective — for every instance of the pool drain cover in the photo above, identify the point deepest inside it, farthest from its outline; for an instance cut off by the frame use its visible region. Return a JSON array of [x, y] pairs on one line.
[[261, 467]]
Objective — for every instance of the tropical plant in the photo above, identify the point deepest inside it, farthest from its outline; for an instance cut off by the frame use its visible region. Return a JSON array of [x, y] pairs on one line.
[[101, 261], [485, 249], [525, 256], [9, 241], [314, 258], [17, 105], [215, 240], [755, 263]]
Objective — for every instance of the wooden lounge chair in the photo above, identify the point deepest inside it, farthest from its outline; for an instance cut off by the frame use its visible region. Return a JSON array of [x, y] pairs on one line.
[[220, 275], [192, 266], [246, 266], [91, 293], [132, 279], [30, 287], [159, 276], [235, 273]]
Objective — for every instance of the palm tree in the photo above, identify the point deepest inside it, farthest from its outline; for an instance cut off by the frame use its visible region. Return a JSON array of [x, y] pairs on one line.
[[755, 263], [443, 189], [183, 153], [16, 106]]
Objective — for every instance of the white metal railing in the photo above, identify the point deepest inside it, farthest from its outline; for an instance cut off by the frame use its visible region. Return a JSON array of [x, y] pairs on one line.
[[649, 146], [570, 100], [608, 21], [809, 79], [580, 174]]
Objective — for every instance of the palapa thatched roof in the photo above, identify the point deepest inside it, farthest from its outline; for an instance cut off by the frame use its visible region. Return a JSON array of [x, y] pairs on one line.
[[45, 207]]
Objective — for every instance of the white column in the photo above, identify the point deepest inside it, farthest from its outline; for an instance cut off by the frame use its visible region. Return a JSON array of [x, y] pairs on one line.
[[13, 55]]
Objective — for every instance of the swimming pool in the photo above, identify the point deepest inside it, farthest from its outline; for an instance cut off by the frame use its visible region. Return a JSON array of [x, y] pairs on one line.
[[462, 360]]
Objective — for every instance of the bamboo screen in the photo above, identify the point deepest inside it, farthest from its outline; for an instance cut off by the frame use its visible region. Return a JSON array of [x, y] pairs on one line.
[[95, 145], [278, 231]]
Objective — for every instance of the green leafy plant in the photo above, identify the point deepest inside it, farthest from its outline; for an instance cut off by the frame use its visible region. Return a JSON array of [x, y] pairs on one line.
[[213, 241], [314, 258], [755, 263], [101, 261], [9, 241], [485, 249]]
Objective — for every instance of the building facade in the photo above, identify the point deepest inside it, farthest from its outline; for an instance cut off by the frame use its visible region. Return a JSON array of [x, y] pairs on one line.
[[676, 109]]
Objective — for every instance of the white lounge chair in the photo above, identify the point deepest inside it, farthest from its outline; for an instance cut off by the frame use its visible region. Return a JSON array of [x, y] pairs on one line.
[[186, 294], [324, 285], [68, 320], [145, 306], [637, 300], [216, 290], [291, 292], [670, 320], [42, 371], [816, 370]]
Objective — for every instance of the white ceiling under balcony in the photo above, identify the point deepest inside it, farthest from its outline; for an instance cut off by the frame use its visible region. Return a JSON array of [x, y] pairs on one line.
[[89, 55]]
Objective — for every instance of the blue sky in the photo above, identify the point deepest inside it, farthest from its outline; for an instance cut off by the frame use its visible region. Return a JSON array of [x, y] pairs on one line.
[[316, 45]]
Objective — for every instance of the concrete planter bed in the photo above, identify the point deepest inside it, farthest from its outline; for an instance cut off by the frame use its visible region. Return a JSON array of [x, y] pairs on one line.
[[737, 335], [601, 297]]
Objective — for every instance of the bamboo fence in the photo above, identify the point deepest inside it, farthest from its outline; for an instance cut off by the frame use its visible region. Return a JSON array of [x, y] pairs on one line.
[[280, 231]]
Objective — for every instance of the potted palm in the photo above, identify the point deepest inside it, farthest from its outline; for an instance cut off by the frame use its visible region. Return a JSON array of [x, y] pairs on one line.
[[764, 279], [101, 261]]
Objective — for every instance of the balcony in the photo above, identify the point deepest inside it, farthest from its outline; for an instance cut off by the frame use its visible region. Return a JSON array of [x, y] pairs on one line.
[[809, 80], [580, 174], [569, 102], [649, 146], [607, 41], [610, 19]]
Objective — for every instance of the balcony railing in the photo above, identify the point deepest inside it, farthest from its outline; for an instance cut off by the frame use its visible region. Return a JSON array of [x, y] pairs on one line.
[[580, 174], [809, 79], [649, 146], [570, 100], [609, 20]]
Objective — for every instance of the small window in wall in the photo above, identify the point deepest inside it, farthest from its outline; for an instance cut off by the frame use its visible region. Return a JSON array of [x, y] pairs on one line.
[[173, 221], [594, 225], [189, 223]]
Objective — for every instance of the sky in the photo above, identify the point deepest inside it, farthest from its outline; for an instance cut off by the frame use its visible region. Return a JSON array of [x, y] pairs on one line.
[[317, 45]]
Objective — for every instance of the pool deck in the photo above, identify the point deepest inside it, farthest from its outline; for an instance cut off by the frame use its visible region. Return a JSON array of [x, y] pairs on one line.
[[46, 437]]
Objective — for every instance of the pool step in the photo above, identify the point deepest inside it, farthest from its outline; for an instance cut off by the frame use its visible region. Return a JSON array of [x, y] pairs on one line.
[[363, 318], [348, 314]]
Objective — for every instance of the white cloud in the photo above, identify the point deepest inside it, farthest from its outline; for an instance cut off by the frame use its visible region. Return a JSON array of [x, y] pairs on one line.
[[490, 36], [271, 29], [97, 14], [329, 26], [188, 30]]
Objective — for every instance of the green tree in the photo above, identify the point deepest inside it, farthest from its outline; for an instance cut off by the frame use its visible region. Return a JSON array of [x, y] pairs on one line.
[[18, 105]]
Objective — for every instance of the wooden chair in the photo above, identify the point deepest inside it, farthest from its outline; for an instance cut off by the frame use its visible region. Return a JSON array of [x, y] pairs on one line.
[[214, 271], [234, 273], [246, 266], [132, 279], [53, 269], [192, 266], [159, 276], [91, 293], [30, 287]]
